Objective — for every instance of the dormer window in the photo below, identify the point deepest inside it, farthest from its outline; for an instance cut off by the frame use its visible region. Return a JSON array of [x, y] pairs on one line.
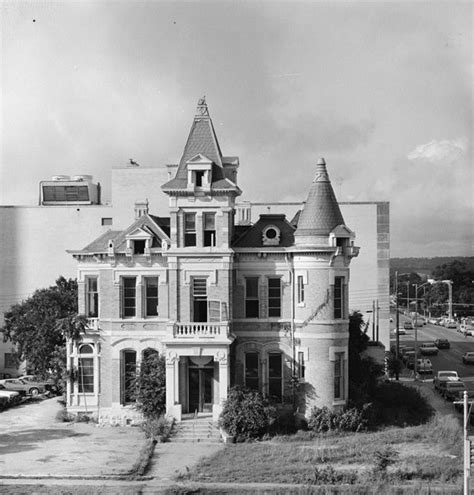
[[139, 246], [271, 236], [199, 176]]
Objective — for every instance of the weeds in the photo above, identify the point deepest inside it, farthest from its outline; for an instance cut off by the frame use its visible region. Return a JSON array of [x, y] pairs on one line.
[[158, 429]]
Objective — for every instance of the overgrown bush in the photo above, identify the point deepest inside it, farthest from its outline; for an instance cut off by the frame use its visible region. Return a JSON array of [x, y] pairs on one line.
[[351, 419], [247, 415], [158, 429], [399, 405], [150, 386]]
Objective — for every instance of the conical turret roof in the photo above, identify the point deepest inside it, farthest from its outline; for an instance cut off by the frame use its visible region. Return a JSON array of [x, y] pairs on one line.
[[321, 213]]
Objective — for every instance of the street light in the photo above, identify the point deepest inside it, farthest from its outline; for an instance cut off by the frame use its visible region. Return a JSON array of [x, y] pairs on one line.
[[450, 293]]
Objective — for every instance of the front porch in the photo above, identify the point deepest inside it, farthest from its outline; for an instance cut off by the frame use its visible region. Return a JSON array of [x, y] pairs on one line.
[[197, 371]]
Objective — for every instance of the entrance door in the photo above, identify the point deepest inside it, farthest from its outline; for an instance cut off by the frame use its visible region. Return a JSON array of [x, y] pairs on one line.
[[200, 389]]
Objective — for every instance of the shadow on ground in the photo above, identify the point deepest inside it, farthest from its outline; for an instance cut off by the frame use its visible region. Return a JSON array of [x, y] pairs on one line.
[[26, 440]]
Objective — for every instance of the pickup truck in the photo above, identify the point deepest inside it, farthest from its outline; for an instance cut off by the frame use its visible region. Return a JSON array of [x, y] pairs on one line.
[[444, 376], [450, 390]]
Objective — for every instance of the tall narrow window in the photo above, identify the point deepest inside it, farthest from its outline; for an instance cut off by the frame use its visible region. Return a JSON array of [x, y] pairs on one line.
[[339, 297], [275, 375], [92, 297], [199, 174], [251, 297], [129, 297], [128, 372], [86, 369], [339, 376], [301, 365], [209, 220], [189, 229], [274, 297], [251, 370], [151, 296], [199, 299], [300, 289]]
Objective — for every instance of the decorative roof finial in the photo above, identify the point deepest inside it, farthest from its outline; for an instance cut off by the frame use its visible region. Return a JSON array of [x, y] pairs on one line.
[[202, 110], [321, 172]]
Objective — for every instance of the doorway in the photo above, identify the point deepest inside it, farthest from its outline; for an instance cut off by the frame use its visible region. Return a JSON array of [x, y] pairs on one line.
[[200, 389]]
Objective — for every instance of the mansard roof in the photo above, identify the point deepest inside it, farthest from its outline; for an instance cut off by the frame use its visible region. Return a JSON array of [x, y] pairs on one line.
[[321, 213], [202, 144], [149, 225], [253, 236]]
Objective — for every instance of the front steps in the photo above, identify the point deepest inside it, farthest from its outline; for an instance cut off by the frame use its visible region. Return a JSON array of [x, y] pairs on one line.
[[196, 430]]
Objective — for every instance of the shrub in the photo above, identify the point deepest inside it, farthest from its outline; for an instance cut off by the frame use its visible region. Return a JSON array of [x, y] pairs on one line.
[[396, 404], [323, 419], [150, 386], [157, 428], [246, 415]]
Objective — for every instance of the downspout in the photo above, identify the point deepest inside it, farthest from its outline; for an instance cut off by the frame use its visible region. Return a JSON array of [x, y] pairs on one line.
[[292, 330]]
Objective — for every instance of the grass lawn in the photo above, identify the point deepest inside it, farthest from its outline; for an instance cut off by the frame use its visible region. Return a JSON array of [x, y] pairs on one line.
[[426, 455]]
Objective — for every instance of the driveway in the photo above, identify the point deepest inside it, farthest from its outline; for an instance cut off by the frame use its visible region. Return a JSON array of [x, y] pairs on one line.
[[34, 443]]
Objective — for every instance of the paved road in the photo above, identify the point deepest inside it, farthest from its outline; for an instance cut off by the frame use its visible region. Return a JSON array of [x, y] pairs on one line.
[[447, 359]]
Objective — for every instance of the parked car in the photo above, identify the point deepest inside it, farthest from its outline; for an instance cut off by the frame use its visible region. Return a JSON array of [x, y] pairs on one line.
[[450, 390], [36, 381], [450, 324], [442, 343], [400, 331], [468, 358], [11, 396], [428, 349], [424, 365], [408, 325], [433, 321], [444, 376], [22, 386]]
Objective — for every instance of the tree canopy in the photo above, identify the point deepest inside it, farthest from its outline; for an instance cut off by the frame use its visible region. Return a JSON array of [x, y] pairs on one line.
[[38, 326]]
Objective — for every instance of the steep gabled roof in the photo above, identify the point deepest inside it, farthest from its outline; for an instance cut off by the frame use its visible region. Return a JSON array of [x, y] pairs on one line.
[[321, 213], [202, 144], [252, 236], [154, 226]]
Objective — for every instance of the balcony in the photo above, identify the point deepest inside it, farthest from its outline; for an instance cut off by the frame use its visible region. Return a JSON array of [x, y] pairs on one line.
[[93, 324], [217, 332]]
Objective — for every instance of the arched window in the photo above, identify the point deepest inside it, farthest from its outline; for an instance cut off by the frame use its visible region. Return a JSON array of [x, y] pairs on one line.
[[86, 369]]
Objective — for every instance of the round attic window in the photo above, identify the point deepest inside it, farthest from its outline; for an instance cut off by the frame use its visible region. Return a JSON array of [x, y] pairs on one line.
[[271, 236], [271, 233]]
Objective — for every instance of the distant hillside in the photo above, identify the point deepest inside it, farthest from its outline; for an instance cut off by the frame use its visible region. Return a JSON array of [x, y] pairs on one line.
[[426, 265]]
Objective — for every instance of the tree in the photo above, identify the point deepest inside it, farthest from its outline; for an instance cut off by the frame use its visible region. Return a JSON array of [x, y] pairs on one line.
[[363, 371], [39, 325], [150, 385]]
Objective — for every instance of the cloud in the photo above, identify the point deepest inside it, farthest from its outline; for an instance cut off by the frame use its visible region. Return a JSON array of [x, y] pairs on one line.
[[439, 151]]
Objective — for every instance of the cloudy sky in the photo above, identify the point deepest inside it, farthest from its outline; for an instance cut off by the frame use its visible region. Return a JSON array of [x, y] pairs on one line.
[[382, 90]]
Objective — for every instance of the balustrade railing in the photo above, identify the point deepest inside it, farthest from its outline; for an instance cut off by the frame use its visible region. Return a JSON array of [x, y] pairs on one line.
[[93, 323], [196, 329]]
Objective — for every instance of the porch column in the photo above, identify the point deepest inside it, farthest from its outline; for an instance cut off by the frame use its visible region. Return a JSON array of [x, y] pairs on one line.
[[224, 381], [173, 408]]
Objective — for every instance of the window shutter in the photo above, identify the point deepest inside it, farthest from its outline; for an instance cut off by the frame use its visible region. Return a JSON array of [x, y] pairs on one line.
[[121, 298]]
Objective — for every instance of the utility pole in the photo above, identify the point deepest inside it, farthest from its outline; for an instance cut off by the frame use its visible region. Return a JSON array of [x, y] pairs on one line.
[[377, 321], [397, 323]]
